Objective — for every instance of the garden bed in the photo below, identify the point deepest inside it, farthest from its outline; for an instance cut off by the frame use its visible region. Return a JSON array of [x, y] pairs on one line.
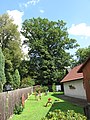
[[35, 109]]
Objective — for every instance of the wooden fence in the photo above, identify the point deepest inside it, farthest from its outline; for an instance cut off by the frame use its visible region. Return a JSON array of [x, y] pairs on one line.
[[9, 99]]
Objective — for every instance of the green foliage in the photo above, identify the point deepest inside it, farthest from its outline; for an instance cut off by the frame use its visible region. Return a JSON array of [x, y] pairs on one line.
[[35, 110], [69, 115], [48, 42], [10, 42], [8, 31], [53, 87], [18, 109], [45, 88], [1, 87], [2, 67], [39, 88], [82, 54], [16, 79], [9, 72], [27, 81], [15, 53], [24, 69]]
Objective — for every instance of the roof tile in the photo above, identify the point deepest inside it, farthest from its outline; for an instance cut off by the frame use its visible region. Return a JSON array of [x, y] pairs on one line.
[[73, 74]]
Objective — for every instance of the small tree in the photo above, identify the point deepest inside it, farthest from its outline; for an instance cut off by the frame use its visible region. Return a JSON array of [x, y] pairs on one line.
[[9, 72], [2, 74], [16, 79], [53, 87]]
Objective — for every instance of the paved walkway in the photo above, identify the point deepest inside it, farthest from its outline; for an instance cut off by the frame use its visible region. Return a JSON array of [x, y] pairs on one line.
[[76, 101]]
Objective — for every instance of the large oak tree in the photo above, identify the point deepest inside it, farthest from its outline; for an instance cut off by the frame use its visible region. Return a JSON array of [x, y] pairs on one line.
[[47, 42]]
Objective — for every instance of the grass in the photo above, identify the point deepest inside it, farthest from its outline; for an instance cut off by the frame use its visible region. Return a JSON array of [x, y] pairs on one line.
[[35, 110]]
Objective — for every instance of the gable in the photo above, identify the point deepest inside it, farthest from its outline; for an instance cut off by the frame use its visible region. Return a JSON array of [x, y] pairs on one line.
[[73, 74]]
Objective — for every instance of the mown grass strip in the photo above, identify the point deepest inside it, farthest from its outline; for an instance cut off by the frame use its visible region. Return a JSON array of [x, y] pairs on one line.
[[35, 110]]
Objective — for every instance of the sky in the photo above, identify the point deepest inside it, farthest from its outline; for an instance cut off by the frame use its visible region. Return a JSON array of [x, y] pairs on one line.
[[76, 13]]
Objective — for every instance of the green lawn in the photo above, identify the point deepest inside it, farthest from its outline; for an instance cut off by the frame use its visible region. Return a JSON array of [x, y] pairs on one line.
[[35, 110]]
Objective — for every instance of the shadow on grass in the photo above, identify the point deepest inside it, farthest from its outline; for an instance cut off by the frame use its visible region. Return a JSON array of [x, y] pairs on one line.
[[63, 105], [57, 95]]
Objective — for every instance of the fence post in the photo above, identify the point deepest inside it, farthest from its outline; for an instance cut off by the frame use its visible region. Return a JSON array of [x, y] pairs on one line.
[[31, 89], [23, 100]]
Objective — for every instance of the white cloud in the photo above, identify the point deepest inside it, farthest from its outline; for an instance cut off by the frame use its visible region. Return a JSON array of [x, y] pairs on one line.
[[81, 29], [17, 17], [32, 2], [41, 11]]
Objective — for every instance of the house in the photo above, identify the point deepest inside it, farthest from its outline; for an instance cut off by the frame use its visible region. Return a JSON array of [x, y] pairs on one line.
[[73, 83], [85, 68]]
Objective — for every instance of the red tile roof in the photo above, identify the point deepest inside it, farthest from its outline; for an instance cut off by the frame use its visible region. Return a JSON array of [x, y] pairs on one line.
[[73, 74]]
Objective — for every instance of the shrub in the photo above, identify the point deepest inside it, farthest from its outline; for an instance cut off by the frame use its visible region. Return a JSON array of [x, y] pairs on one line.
[[39, 89], [16, 79], [27, 81], [18, 109], [45, 88], [1, 86], [53, 87], [69, 115]]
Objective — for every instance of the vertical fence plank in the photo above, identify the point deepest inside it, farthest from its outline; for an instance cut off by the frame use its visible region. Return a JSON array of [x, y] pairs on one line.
[[9, 99]]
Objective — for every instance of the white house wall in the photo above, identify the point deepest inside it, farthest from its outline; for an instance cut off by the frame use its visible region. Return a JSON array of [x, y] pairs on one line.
[[78, 92]]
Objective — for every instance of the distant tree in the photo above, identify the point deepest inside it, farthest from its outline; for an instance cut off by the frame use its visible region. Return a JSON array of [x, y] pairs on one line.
[[53, 87], [81, 55], [2, 73], [47, 42], [16, 79]]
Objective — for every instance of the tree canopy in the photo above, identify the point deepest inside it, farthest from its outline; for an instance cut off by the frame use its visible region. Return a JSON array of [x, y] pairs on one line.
[[8, 31], [81, 55], [11, 46], [47, 42]]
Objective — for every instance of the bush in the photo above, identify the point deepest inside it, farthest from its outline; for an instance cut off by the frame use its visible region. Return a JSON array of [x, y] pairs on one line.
[[69, 115], [16, 79], [18, 109], [40, 88], [1, 86], [27, 82], [45, 88], [54, 87]]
